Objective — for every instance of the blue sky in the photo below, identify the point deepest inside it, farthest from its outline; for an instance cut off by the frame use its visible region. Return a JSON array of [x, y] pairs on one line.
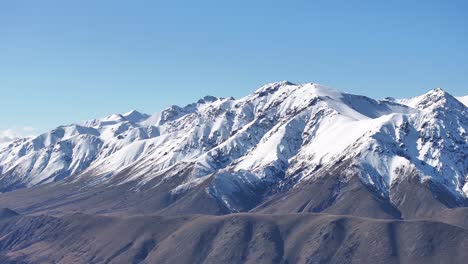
[[68, 61]]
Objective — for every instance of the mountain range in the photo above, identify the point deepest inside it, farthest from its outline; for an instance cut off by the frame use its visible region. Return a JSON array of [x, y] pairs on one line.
[[292, 173]]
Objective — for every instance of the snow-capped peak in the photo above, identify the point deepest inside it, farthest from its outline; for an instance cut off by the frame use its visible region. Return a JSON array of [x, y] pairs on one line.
[[207, 99], [135, 116], [434, 99], [272, 87]]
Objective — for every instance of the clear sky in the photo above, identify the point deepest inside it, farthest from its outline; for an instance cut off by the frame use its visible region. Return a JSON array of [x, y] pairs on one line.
[[68, 61]]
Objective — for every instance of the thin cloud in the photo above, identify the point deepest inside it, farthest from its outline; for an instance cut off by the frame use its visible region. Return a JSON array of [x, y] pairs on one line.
[[11, 134], [7, 135]]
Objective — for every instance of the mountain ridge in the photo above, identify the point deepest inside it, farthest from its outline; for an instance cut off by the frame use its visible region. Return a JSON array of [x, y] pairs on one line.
[[240, 153]]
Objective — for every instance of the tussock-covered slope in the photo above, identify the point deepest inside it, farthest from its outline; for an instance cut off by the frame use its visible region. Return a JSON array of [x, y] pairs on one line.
[[235, 238]]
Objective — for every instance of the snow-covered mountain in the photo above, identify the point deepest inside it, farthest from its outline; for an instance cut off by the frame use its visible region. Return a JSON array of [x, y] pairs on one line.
[[240, 152]]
